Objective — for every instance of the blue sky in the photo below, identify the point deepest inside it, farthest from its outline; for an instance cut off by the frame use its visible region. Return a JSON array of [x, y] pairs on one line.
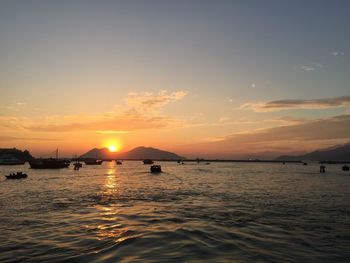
[[222, 54]]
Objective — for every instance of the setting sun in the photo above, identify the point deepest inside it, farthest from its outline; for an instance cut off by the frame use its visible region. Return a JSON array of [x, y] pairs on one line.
[[112, 148]]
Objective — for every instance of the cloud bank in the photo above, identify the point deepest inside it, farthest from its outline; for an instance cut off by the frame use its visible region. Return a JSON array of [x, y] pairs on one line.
[[278, 105], [288, 138], [141, 111]]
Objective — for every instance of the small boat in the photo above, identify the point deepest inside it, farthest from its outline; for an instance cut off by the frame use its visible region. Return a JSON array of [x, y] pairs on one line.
[[304, 163], [322, 169], [119, 162], [93, 162], [148, 161], [345, 168], [18, 175], [77, 165], [156, 169]]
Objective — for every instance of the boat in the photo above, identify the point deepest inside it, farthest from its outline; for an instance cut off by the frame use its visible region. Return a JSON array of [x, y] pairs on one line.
[[119, 162], [148, 161], [49, 163], [10, 160], [93, 162], [156, 169], [18, 175], [345, 168], [77, 165]]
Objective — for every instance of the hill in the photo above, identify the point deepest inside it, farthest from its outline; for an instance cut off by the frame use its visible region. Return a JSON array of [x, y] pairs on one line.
[[135, 154], [13, 152], [335, 154]]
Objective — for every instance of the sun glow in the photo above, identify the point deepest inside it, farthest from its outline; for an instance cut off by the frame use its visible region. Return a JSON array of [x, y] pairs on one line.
[[113, 145], [113, 148]]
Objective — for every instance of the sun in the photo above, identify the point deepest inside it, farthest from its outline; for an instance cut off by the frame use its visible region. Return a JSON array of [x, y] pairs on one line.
[[112, 148]]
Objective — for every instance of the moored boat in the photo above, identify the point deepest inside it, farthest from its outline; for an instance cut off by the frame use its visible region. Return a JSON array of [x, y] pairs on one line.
[[156, 169], [93, 162], [10, 160], [49, 163]]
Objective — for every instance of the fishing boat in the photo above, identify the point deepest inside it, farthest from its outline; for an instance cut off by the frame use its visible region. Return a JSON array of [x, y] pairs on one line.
[[148, 161], [119, 162], [10, 160], [156, 169], [93, 162], [49, 163], [18, 175]]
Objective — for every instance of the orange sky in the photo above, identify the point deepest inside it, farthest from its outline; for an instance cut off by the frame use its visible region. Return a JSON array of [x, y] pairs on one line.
[[220, 80]]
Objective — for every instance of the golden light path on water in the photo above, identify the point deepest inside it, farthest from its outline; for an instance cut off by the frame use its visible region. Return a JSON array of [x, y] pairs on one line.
[[193, 212]]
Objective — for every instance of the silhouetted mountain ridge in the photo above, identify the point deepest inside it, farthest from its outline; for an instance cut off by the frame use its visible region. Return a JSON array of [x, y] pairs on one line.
[[136, 153], [13, 152], [336, 153]]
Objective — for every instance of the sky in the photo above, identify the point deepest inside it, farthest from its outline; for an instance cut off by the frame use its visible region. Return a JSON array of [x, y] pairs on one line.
[[218, 79]]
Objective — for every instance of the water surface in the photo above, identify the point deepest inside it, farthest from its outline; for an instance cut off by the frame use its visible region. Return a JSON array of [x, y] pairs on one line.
[[222, 212]]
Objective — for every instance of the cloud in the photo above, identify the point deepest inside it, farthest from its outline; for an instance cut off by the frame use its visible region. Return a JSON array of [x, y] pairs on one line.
[[17, 106], [148, 101], [297, 104], [122, 123], [13, 138], [308, 68], [113, 132], [141, 111], [337, 53], [298, 137]]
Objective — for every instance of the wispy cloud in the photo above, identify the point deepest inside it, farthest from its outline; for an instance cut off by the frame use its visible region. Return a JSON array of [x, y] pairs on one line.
[[337, 53], [141, 111], [329, 131], [278, 105], [17, 106], [148, 101], [308, 68], [125, 122], [13, 138]]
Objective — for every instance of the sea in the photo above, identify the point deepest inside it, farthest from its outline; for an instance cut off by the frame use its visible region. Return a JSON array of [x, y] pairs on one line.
[[221, 212]]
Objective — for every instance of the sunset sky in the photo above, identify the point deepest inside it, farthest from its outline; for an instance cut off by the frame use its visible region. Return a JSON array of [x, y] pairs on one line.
[[221, 79]]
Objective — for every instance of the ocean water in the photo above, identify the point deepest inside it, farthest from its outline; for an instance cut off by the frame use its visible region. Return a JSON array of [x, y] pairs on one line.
[[222, 212]]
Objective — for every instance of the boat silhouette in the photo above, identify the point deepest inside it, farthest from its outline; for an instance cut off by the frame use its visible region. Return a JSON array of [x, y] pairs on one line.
[[148, 161], [49, 163], [18, 175], [93, 162]]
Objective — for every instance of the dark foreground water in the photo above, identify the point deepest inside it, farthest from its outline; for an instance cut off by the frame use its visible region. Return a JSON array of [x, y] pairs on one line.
[[224, 212]]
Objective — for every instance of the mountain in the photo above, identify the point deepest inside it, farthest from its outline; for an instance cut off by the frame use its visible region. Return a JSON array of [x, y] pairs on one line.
[[338, 153], [96, 153], [136, 153], [13, 152]]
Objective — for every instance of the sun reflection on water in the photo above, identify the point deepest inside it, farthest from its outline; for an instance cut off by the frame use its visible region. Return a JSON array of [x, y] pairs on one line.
[[110, 226]]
